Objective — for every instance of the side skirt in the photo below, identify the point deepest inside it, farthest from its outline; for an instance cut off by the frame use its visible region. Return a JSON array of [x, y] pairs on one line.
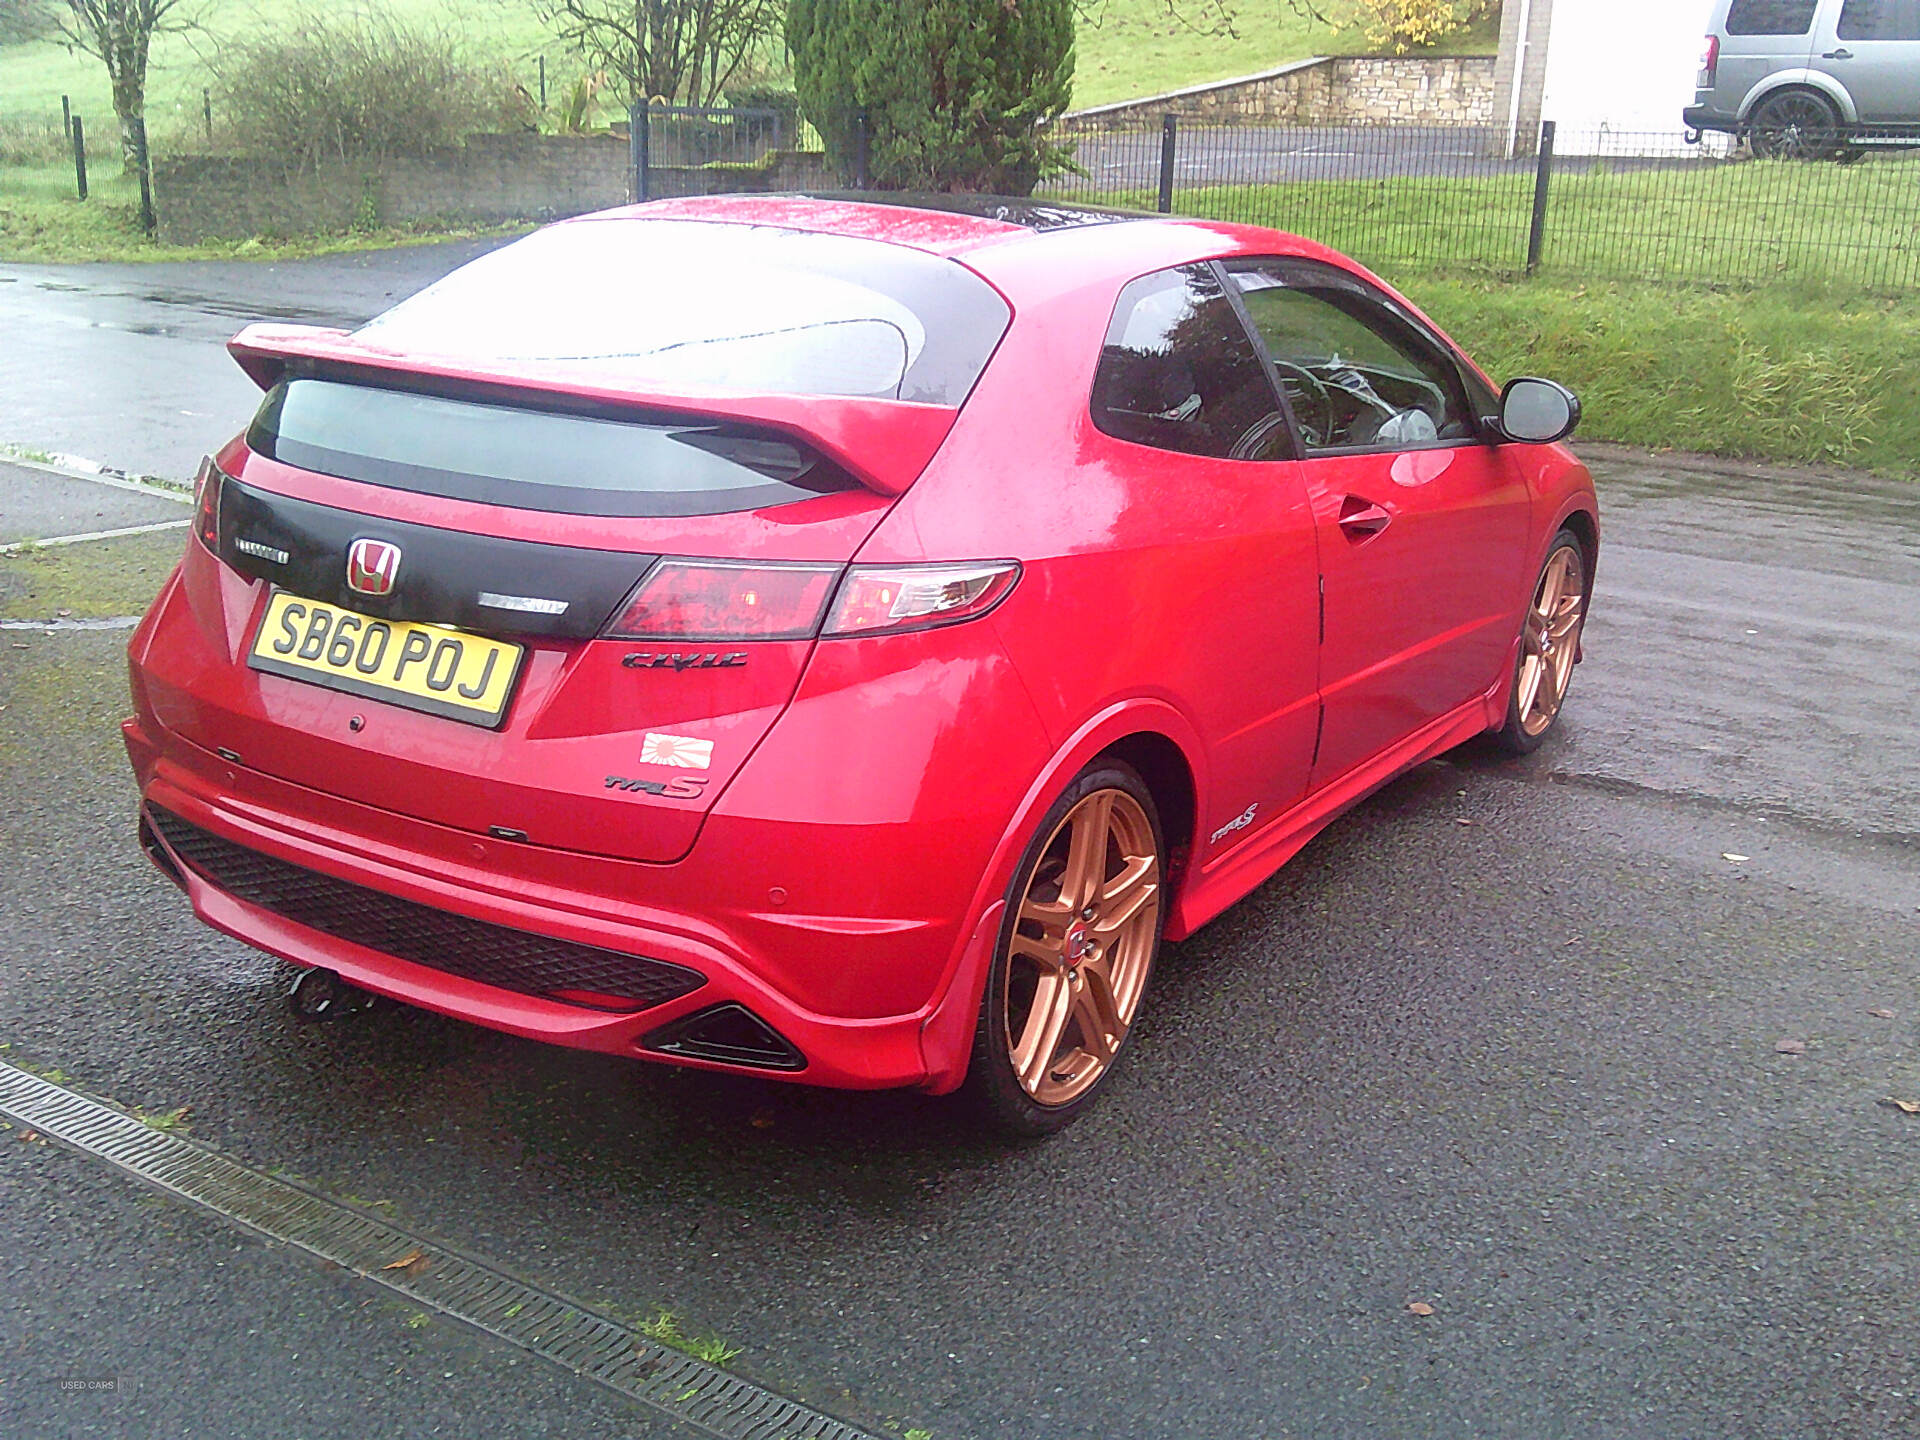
[[1231, 877]]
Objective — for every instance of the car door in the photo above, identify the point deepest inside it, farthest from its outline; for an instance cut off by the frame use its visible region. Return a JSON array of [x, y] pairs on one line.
[[1221, 570], [1873, 48], [1763, 37], [1421, 524]]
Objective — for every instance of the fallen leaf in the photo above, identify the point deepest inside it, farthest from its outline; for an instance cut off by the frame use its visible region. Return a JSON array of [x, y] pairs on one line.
[[1905, 1107], [413, 1259], [29, 1134], [1729, 855], [1419, 1307], [1790, 1047], [1461, 820], [62, 614], [1882, 1014], [761, 1120]]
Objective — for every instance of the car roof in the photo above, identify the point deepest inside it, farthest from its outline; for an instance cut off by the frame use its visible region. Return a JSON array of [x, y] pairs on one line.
[[948, 225], [1022, 245]]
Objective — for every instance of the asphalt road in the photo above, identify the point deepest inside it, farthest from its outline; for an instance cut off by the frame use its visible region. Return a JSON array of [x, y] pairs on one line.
[[1503, 1042]]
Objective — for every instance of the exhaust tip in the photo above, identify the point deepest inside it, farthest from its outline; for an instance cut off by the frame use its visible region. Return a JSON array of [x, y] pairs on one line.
[[321, 995]]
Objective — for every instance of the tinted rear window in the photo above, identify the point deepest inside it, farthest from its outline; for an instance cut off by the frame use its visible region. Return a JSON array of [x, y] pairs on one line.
[[532, 459], [758, 308], [1770, 17]]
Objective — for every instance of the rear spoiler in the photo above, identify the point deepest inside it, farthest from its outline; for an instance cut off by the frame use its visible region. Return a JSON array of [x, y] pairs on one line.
[[884, 444]]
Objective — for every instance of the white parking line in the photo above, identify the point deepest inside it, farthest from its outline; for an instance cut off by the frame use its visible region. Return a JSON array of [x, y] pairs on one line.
[[19, 545], [78, 467]]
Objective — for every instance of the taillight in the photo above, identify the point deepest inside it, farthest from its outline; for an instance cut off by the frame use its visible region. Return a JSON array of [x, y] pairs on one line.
[[725, 600], [1709, 61], [206, 504], [875, 598]]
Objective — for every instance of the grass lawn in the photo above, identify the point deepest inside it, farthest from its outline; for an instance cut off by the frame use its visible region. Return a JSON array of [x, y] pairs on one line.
[[1125, 48], [1786, 373]]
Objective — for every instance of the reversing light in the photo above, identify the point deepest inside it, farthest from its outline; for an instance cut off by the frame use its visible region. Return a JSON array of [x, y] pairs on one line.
[[877, 598], [725, 600], [206, 503]]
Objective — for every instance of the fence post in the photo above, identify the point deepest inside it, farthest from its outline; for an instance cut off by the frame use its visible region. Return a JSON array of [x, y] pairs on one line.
[[66, 118], [862, 136], [637, 148], [206, 112], [145, 162], [79, 155], [1542, 175], [543, 83], [1167, 139]]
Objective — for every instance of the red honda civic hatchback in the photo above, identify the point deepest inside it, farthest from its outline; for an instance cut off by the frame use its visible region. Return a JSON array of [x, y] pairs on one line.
[[833, 637]]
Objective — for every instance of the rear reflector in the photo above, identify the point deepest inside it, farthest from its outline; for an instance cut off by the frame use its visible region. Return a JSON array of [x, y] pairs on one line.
[[724, 600], [206, 503], [914, 597]]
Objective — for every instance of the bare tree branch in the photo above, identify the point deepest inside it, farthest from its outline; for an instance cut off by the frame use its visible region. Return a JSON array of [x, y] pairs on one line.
[[677, 50], [120, 34]]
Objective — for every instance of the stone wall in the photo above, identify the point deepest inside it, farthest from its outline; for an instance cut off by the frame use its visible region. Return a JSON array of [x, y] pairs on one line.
[[489, 180], [1403, 89]]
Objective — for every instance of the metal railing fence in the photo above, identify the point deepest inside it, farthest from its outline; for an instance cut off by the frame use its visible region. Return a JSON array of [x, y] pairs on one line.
[[1598, 205]]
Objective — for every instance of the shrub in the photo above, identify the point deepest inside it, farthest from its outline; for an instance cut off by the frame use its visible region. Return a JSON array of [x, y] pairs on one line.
[[359, 85], [1403, 25], [955, 91]]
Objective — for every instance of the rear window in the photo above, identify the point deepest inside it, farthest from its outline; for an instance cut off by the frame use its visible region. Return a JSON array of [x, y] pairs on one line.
[[582, 464], [1770, 17], [741, 307]]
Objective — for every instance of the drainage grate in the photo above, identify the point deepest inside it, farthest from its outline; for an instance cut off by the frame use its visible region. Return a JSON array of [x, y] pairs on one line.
[[688, 1390]]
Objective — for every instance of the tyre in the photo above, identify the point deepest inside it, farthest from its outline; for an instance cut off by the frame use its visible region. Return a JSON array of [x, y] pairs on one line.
[[1082, 929], [1549, 647], [1794, 124]]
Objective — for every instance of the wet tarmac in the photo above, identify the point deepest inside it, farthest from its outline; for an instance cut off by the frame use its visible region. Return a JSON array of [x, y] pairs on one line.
[[1505, 1041]]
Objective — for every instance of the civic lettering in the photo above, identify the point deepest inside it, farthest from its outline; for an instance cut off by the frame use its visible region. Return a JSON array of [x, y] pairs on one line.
[[697, 660]]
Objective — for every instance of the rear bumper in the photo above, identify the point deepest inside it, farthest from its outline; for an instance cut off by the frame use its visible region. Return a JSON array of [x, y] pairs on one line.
[[1705, 117], [452, 872]]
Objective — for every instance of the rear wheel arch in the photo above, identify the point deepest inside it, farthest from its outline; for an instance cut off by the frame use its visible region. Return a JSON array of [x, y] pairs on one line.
[[1164, 766], [1808, 81]]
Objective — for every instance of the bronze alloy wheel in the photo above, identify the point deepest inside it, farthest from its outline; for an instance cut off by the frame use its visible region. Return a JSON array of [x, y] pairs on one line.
[[1550, 639], [1077, 945], [1082, 944]]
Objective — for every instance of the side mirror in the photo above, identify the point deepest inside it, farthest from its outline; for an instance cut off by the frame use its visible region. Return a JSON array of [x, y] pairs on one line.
[[1537, 412]]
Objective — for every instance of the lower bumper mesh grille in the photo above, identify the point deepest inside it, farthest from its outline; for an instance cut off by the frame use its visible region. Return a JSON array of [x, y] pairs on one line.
[[472, 949]]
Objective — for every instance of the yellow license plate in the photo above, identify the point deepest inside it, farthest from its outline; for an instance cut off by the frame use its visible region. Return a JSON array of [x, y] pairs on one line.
[[434, 668]]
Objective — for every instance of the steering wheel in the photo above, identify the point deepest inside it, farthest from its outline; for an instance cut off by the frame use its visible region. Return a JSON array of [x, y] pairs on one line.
[[1331, 416]]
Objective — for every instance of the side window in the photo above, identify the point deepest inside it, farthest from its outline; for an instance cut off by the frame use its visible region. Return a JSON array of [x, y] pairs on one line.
[[1357, 377], [1179, 372], [1880, 20], [1770, 17]]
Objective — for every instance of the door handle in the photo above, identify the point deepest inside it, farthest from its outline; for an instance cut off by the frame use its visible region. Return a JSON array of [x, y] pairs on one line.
[[1840, 54], [1361, 519]]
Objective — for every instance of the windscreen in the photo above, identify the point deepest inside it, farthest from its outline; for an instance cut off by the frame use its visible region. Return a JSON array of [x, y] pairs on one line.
[[532, 459], [743, 307]]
